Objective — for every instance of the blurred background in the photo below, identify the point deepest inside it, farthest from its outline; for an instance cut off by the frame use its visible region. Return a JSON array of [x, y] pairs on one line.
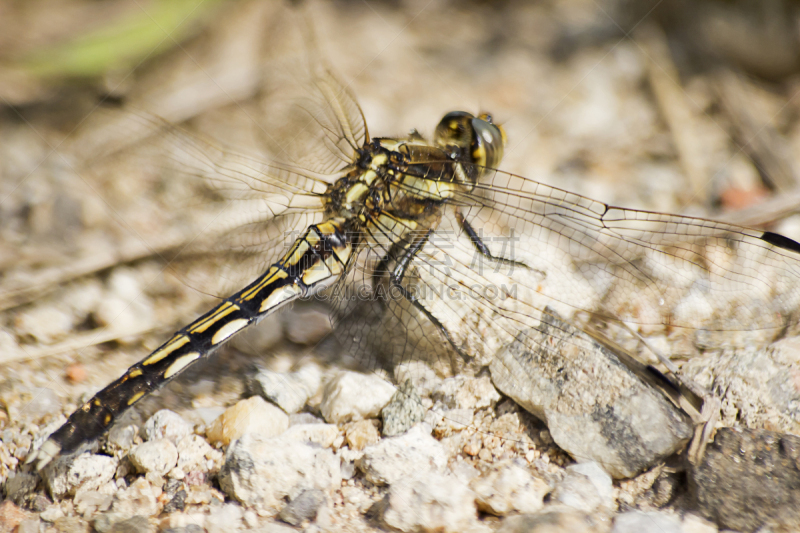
[[667, 105]]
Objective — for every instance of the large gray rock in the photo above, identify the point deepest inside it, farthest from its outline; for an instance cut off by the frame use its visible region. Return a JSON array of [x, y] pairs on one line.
[[595, 408]]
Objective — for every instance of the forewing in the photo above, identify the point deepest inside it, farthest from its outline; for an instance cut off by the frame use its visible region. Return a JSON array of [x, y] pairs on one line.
[[705, 283]]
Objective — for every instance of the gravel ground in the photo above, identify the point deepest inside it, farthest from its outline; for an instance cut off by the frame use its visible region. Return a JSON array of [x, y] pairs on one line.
[[276, 432]]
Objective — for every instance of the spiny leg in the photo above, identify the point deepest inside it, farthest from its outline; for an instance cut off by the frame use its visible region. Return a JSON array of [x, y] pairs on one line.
[[481, 247], [403, 253]]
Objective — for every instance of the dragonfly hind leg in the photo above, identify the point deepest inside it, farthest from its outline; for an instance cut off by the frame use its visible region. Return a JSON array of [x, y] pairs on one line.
[[402, 254]]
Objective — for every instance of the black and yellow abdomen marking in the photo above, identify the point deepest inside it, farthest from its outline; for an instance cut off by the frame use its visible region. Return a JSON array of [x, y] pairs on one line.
[[314, 261], [180, 363], [174, 344], [229, 329], [212, 318]]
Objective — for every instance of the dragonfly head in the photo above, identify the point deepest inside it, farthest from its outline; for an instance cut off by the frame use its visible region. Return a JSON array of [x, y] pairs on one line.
[[477, 138]]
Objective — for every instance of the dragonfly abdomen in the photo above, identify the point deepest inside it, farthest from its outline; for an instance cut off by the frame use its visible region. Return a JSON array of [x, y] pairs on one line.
[[315, 260]]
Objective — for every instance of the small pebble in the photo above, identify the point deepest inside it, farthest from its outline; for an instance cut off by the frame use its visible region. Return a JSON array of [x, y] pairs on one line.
[[464, 392], [71, 524], [289, 391], [29, 526], [303, 507], [140, 498], [196, 455], [120, 437], [360, 434], [11, 515], [586, 487], [395, 458], [253, 415], [225, 518], [76, 373], [351, 396], [557, 520], [166, 424], [403, 411], [158, 456], [263, 472], [507, 488], [429, 502], [85, 472], [639, 521]]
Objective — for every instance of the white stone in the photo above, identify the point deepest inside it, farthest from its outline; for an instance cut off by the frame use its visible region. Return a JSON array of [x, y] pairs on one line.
[[453, 420], [196, 455], [253, 415], [321, 434], [351, 396], [140, 498], [88, 502], [639, 522], [224, 519], [120, 438], [508, 488], [430, 502], [555, 519], [290, 391], [421, 375], [85, 472], [696, 524], [206, 415], [158, 456], [262, 472], [166, 424], [464, 392], [586, 487], [395, 458]]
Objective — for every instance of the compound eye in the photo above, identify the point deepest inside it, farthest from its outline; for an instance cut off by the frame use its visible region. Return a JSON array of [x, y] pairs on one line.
[[455, 129], [478, 139], [488, 142]]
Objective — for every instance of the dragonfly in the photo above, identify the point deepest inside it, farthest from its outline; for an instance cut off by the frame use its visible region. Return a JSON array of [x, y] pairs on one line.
[[428, 250]]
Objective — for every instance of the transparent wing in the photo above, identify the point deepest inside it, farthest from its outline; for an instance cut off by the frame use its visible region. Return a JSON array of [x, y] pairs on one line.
[[238, 207], [543, 251]]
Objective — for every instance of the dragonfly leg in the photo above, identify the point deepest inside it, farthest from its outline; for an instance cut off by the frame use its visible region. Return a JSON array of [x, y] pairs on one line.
[[402, 254], [481, 247]]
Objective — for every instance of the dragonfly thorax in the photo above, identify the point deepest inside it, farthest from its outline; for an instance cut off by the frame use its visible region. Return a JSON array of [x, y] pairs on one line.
[[363, 187], [411, 174]]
